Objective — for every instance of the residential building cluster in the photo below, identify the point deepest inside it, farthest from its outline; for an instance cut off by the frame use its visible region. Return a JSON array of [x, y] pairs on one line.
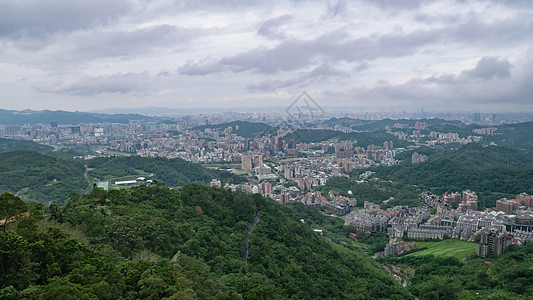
[[495, 229]]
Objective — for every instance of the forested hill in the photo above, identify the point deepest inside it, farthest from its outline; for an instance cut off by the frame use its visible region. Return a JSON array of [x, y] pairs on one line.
[[363, 139], [8, 145], [246, 129], [518, 136], [372, 125], [153, 242], [495, 171], [173, 172], [41, 178]]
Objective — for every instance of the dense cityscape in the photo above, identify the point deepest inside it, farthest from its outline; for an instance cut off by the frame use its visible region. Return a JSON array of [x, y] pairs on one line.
[[282, 164]]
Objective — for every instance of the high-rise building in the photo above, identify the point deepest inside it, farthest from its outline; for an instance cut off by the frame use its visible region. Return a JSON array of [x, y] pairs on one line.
[[477, 117], [469, 201], [491, 241], [285, 197], [420, 125], [12, 130], [452, 198], [525, 199], [265, 188], [507, 206], [75, 130], [215, 183], [246, 163], [257, 160], [418, 158], [344, 149]]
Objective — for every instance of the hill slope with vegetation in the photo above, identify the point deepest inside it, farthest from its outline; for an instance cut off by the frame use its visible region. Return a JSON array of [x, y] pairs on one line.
[[153, 242], [363, 138], [373, 125], [492, 171], [508, 276], [173, 172], [8, 145], [40, 178], [517, 136]]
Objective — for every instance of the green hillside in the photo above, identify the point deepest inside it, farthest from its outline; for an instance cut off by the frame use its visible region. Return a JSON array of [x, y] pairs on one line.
[[372, 125], [8, 145], [40, 178], [153, 242], [442, 276], [246, 129], [363, 138], [517, 136], [493, 171], [446, 248], [173, 172]]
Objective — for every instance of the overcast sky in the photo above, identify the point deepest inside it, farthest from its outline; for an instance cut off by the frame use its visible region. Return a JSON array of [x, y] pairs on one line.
[[97, 54]]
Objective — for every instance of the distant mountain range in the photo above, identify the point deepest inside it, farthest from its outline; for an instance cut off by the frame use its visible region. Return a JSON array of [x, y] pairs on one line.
[[13, 117]]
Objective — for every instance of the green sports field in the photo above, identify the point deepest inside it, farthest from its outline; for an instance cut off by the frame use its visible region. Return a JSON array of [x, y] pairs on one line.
[[449, 247]]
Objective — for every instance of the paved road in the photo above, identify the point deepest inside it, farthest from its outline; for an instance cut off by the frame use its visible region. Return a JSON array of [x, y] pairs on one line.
[[250, 231]]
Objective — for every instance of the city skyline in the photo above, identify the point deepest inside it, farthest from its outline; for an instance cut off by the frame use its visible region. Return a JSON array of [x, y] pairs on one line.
[[443, 55]]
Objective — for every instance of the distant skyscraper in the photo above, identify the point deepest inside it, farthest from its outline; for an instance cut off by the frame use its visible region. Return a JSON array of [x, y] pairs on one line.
[[477, 117]]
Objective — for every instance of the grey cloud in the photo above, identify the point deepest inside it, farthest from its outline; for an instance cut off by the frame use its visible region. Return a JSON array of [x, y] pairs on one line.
[[489, 68], [361, 67], [459, 91], [119, 83], [296, 54], [337, 46], [216, 4], [200, 68], [431, 19], [87, 45], [321, 73], [38, 17], [96, 44], [501, 33], [336, 8], [270, 28], [395, 4]]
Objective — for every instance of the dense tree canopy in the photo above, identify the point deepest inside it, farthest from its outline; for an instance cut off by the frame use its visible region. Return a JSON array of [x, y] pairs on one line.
[[134, 234]]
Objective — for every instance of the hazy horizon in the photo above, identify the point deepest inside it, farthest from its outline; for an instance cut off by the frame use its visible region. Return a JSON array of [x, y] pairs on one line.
[[445, 56], [330, 111]]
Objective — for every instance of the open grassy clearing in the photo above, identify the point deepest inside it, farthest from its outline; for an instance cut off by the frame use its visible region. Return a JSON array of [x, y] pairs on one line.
[[449, 247]]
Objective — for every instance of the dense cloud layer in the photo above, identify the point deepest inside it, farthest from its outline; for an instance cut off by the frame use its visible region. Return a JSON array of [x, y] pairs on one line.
[[443, 55]]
